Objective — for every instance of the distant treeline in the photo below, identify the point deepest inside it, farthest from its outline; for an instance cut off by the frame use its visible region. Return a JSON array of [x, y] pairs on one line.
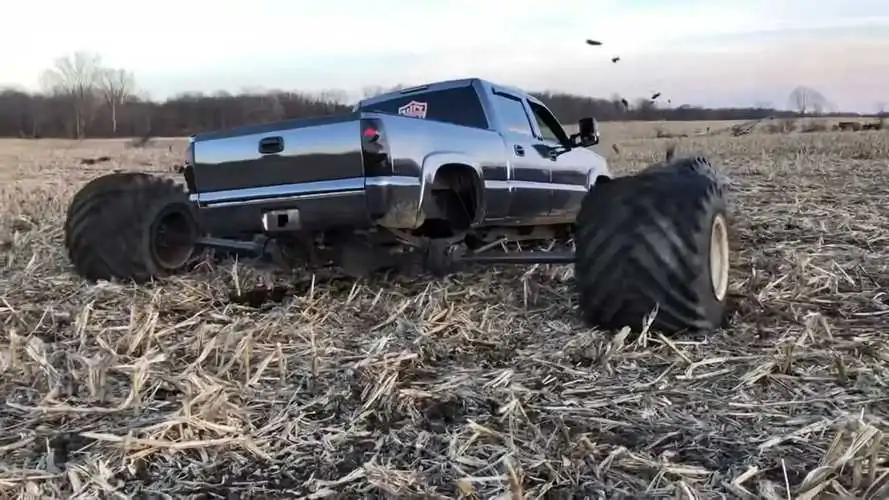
[[64, 114]]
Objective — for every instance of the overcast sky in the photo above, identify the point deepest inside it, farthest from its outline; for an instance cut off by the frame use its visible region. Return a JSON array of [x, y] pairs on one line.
[[723, 52]]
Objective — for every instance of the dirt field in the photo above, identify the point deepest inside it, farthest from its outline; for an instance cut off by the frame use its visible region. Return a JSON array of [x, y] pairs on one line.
[[473, 386]]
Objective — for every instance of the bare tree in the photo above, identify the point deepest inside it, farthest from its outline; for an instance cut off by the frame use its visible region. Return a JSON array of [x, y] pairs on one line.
[[262, 107], [76, 77], [807, 100], [116, 85], [375, 90], [372, 91], [337, 96]]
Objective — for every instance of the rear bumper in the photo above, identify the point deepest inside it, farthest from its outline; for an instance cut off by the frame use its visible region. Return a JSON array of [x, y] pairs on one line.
[[391, 201]]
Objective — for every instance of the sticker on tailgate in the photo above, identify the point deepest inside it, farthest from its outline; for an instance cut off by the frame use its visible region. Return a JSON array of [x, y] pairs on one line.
[[414, 109]]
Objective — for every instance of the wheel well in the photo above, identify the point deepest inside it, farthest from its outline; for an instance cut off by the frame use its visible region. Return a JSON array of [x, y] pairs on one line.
[[600, 179], [456, 195]]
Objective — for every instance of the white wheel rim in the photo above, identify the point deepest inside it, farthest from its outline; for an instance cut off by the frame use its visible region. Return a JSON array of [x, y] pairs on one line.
[[719, 257]]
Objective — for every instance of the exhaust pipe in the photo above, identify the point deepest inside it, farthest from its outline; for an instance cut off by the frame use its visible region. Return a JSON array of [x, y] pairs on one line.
[[281, 220]]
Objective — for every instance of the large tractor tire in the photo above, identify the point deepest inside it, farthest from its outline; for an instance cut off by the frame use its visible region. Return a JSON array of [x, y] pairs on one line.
[[655, 240], [130, 226]]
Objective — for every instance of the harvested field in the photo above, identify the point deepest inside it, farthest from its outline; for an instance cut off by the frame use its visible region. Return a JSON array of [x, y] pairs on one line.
[[474, 386]]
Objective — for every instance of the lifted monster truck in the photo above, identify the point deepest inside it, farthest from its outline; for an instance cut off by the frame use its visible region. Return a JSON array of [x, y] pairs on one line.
[[431, 175]]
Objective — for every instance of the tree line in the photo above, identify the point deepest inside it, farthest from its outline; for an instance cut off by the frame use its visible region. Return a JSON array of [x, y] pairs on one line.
[[82, 98]]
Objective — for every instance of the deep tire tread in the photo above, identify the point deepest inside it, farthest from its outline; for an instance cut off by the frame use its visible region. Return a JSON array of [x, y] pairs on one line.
[[107, 225], [643, 241]]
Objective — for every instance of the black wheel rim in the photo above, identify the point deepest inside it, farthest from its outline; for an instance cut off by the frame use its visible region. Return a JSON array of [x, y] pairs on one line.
[[173, 237]]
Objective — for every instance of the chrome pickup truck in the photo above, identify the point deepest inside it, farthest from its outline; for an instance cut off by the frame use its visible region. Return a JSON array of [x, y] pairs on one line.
[[437, 174], [447, 157]]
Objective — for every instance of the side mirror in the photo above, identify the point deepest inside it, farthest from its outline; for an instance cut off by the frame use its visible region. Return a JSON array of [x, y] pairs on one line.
[[588, 132]]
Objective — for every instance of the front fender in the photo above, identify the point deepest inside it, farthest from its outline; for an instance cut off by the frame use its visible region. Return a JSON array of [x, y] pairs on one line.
[[599, 169]]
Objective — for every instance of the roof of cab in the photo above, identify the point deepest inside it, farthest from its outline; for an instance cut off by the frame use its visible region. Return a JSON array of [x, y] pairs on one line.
[[443, 85]]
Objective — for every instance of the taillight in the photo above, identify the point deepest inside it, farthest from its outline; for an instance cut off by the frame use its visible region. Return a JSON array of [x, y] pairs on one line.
[[374, 149], [371, 134]]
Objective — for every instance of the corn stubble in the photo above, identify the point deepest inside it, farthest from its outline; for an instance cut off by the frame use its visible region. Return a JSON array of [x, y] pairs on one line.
[[476, 386]]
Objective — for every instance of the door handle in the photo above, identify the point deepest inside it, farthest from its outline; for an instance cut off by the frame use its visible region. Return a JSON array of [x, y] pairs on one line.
[[519, 150], [271, 145]]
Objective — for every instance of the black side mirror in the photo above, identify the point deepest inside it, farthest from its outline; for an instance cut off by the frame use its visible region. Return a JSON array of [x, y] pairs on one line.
[[588, 132]]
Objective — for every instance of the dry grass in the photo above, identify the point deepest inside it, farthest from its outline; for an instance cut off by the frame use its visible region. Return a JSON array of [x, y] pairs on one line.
[[474, 386]]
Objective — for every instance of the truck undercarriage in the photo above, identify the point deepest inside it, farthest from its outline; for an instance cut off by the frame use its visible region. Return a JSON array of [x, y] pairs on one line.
[[362, 253]]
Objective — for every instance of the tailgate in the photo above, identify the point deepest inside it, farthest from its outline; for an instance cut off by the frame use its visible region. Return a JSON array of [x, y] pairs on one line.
[[280, 159]]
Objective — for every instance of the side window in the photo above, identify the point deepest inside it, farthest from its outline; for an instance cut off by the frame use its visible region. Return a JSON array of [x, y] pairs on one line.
[[512, 113], [549, 126]]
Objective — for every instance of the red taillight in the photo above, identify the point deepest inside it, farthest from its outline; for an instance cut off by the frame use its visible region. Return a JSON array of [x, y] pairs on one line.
[[371, 133], [374, 150]]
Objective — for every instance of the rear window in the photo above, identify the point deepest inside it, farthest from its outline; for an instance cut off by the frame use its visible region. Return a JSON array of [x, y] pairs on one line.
[[459, 106]]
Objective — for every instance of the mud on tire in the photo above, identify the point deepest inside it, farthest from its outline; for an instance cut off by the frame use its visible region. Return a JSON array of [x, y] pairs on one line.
[[130, 226], [644, 241]]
